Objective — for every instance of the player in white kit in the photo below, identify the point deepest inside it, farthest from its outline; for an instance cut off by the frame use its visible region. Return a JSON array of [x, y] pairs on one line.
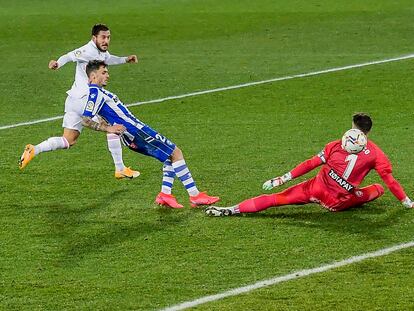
[[96, 49]]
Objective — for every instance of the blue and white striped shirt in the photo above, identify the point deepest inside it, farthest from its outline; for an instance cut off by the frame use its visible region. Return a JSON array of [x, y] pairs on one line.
[[107, 105]]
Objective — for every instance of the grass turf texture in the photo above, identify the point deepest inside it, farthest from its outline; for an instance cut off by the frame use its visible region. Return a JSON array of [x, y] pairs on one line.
[[72, 237]]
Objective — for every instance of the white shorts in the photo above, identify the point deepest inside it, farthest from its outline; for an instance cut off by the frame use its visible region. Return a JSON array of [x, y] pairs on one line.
[[73, 113]]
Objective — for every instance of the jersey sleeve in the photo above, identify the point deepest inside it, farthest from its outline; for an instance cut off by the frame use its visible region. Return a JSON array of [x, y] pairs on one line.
[[384, 169], [313, 162], [94, 104], [64, 59], [394, 186], [114, 60], [326, 152], [306, 166], [382, 163], [77, 55]]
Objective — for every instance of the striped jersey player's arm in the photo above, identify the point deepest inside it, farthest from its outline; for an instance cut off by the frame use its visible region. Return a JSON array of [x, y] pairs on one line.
[[97, 126], [94, 103]]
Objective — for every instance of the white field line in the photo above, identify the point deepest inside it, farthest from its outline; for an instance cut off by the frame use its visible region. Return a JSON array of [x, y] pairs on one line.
[[232, 87], [288, 277]]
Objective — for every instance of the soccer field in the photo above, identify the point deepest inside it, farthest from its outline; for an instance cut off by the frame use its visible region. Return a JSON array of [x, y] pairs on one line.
[[74, 238]]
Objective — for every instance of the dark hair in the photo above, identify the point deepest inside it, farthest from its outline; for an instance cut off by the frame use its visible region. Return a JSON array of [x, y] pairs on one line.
[[97, 28], [94, 65], [362, 121]]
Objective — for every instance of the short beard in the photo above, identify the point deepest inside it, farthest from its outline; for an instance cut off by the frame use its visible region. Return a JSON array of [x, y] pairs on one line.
[[99, 48]]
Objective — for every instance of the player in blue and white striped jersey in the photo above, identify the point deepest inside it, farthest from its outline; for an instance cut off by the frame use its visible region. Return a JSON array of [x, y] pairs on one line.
[[116, 118], [95, 49]]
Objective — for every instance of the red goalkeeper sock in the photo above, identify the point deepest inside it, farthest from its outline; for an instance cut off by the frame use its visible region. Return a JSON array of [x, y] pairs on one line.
[[257, 204]]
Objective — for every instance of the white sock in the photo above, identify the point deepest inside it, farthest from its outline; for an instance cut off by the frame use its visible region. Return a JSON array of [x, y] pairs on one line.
[[183, 174], [115, 147], [52, 143], [168, 176]]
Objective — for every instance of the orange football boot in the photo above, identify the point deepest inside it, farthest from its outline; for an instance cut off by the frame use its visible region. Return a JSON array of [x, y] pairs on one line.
[[27, 156], [127, 172]]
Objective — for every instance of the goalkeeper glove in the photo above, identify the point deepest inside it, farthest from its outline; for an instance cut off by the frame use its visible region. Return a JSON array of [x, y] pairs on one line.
[[407, 202], [277, 181]]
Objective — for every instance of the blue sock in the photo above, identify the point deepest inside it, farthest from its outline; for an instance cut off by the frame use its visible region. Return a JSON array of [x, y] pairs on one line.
[[183, 173]]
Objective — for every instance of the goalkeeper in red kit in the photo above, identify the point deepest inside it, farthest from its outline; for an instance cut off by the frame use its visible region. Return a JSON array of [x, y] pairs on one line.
[[335, 187]]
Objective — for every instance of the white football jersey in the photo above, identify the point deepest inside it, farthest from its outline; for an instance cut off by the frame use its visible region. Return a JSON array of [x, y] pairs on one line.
[[82, 56]]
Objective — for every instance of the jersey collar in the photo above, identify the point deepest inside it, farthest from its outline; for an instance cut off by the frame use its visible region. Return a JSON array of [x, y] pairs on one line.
[[93, 44], [95, 47], [96, 85]]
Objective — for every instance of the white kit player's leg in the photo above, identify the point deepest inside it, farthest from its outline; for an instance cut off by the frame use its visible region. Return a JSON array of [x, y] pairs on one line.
[[72, 123], [51, 144], [72, 119], [115, 148]]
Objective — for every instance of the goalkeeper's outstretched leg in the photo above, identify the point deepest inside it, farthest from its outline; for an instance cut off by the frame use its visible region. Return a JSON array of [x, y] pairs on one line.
[[295, 195]]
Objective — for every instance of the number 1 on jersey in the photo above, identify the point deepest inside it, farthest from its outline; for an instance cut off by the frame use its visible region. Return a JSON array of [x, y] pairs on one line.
[[352, 158]]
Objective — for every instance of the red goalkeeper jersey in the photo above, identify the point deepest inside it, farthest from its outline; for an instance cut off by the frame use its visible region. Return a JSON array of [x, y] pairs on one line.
[[343, 172]]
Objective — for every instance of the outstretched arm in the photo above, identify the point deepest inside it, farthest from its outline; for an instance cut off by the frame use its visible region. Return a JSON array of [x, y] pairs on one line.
[[306, 166], [396, 189], [117, 60], [384, 169], [102, 126], [56, 64], [299, 170], [74, 56]]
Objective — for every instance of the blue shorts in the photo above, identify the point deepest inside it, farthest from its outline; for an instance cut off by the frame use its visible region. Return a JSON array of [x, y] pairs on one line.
[[150, 143]]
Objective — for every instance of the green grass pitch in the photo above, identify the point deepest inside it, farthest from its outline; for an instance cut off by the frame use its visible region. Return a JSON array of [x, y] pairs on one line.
[[74, 238]]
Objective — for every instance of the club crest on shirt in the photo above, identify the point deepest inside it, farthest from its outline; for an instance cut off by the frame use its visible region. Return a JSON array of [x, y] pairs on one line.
[[78, 53], [89, 106], [359, 193], [115, 99]]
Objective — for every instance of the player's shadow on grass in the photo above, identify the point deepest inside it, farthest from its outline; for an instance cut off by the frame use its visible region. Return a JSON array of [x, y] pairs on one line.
[[368, 220], [82, 231]]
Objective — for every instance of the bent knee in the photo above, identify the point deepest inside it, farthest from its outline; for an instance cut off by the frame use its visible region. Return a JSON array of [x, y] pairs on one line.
[[71, 142], [71, 136], [380, 189], [177, 155]]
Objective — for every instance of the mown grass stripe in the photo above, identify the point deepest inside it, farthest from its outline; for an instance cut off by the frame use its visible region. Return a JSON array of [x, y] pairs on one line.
[[232, 87], [288, 277]]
